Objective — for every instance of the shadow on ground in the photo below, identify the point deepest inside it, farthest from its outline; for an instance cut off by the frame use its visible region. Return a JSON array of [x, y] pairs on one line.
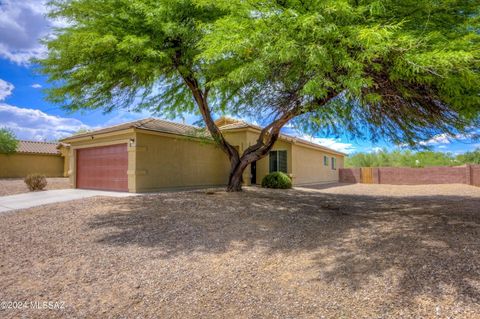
[[430, 245], [323, 186]]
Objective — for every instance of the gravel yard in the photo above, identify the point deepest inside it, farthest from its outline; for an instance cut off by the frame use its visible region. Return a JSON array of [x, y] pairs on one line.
[[12, 186], [345, 251]]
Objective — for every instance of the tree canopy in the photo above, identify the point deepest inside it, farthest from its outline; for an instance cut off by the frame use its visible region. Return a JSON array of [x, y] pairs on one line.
[[8, 141], [403, 69], [400, 69]]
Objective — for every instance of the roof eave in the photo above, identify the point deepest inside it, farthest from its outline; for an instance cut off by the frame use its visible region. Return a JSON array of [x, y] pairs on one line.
[[147, 130], [82, 137], [287, 138], [37, 153]]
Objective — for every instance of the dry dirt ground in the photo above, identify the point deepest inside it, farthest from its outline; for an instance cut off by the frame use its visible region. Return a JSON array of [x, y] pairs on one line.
[[12, 186], [354, 251]]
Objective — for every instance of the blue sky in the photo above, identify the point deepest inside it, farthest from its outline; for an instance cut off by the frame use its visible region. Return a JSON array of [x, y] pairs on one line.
[[24, 109]]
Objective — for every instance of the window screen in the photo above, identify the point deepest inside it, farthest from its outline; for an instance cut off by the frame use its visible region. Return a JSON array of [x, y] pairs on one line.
[[278, 161], [325, 160], [334, 163]]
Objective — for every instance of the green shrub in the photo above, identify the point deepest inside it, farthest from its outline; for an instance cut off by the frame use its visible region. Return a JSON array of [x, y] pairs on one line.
[[8, 142], [36, 182], [277, 180]]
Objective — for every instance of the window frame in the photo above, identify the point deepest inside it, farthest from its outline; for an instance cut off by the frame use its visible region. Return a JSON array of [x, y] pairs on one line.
[[277, 161], [325, 160], [334, 163]]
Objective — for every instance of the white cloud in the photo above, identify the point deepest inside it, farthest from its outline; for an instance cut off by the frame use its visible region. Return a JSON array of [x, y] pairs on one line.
[[36, 86], [6, 89], [122, 116], [22, 24], [445, 139], [442, 147], [438, 139], [31, 124], [330, 143]]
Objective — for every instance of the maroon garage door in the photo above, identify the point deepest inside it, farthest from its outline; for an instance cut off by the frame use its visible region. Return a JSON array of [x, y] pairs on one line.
[[103, 167]]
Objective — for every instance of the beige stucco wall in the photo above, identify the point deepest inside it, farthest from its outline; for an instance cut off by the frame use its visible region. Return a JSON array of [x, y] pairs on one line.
[[304, 163], [65, 153], [168, 161], [20, 165], [103, 140], [308, 167], [159, 161]]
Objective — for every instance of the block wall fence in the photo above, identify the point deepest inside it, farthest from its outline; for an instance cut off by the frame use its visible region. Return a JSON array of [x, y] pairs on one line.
[[467, 174]]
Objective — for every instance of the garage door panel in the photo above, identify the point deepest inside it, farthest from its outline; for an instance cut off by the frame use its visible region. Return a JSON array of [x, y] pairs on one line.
[[103, 167]]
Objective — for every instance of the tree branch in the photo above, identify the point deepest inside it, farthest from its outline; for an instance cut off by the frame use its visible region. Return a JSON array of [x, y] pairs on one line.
[[270, 133], [202, 103]]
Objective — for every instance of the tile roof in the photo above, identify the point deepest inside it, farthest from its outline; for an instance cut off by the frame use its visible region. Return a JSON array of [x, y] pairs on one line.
[[158, 125], [239, 124], [242, 124], [34, 147], [151, 124]]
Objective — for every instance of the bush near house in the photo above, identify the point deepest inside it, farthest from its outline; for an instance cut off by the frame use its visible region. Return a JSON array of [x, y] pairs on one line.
[[36, 182], [277, 180]]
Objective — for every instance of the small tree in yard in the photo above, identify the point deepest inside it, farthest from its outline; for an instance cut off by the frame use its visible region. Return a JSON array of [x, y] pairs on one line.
[[8, 142], [399, 69]]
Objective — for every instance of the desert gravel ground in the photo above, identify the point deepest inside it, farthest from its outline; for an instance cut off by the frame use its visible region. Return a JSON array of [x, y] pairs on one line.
[[12, 186], [361, 252]]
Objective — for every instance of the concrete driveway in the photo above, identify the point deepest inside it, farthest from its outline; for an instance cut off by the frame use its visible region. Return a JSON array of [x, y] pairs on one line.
[[32, 199]]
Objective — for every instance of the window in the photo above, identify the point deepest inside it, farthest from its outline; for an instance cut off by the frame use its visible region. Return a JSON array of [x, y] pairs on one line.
[[334, 163], [325, 160], [278, 161]]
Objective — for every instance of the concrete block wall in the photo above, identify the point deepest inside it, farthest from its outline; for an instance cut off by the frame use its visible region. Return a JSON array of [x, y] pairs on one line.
[[474, 174], [419, 176], [467, 174], [349, 175]]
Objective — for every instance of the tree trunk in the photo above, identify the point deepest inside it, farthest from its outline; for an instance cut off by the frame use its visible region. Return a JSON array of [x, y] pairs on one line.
[[238, 166], [235, 182], [235, 178], [250, 155]]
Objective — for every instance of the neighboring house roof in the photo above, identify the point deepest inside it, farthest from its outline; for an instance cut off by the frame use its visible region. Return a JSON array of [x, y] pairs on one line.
[[33, 147], [163, 126]]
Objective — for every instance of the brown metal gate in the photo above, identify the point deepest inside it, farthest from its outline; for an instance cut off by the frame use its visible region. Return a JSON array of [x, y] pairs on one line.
[[366, 175], [103, 168]]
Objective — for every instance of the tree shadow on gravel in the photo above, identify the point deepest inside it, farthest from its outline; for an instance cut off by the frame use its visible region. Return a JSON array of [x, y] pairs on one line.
[[323, 186], [431, 243]]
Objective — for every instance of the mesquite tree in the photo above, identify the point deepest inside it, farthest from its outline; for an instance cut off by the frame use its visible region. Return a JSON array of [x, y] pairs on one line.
[[401, 69]]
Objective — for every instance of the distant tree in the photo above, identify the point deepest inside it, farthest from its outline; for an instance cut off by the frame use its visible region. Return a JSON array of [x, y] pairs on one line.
[[400, 158], [429, 158], [401, 69], [470, 157], [8, 141]]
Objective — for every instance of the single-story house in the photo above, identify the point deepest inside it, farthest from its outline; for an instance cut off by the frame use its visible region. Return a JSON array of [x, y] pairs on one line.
[[34, 157], [153, 154]]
